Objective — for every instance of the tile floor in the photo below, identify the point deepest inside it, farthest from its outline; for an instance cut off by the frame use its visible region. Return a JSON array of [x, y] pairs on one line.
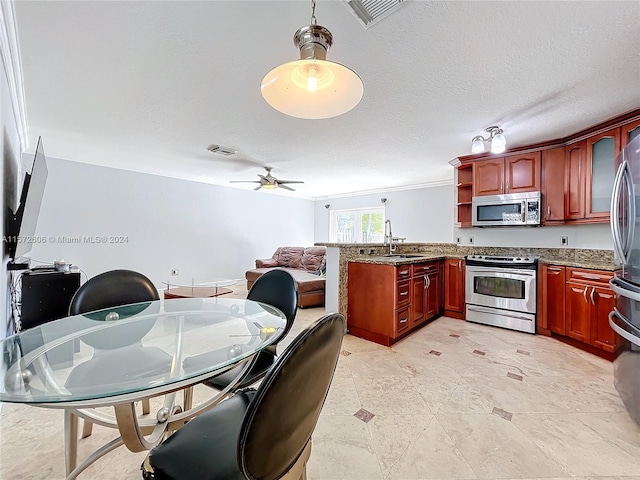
[[453, 400]]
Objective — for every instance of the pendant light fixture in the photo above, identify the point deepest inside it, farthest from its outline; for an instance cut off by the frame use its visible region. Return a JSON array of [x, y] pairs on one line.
[[496, 137], [312, 87]]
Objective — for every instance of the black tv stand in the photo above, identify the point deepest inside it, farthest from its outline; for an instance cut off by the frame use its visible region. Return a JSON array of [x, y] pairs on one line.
[[18, 266]]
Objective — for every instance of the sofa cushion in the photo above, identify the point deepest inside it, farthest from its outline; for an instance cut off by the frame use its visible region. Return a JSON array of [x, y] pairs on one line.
[[305, 281], [266, 262], [313, 258], [290, 257]]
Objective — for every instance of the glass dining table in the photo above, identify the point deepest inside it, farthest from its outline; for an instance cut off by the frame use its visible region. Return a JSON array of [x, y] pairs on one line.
[[119, 356]]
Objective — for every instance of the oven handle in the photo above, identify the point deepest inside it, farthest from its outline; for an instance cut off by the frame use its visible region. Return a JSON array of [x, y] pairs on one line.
[[524, 211], [509, 271], [621, 330], [504, 313]]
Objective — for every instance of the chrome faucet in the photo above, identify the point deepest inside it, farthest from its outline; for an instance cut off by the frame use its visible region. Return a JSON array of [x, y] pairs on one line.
[[388, 237]]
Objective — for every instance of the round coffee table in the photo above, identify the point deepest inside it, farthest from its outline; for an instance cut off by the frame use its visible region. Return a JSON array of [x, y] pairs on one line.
[[211, 288]]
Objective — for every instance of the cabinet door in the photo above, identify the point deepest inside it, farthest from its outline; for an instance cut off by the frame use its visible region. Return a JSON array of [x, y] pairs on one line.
[[553, 302], [522, 173], [434, 295], [454, 285], [488, 177], [628, 132], [578, 312], [553, 171], [601, 172], [602, 335], [575, 175], [418, 299]]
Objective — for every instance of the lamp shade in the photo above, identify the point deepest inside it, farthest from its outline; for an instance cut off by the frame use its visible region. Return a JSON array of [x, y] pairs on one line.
[[312, 89], [498, 143], [477, 145]]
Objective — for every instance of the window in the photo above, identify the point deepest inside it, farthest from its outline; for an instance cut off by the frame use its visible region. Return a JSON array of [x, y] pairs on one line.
[[359, 225]]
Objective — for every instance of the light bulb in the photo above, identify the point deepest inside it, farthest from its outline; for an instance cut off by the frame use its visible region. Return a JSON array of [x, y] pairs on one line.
[[312, 81], [477, 145], [498, 144]]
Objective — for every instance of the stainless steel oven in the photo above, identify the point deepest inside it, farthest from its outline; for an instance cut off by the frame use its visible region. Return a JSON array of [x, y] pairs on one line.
[[501, 291]]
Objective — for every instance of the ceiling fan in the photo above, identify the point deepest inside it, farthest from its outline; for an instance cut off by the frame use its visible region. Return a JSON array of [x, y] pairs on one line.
[[269, 181]]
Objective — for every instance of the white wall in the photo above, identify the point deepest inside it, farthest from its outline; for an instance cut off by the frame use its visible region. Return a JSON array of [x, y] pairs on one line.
[[420, 215], [10, 148], [202, 230], [579, 236]]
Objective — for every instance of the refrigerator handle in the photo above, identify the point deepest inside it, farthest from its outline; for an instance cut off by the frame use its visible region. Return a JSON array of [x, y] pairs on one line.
[[614, 213], [631, 222], [621, 330]]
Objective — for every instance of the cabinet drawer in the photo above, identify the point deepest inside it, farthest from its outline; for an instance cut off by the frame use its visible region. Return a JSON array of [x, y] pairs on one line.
[[403, 273], [424, 268], [402, 320], [404, 295], [581, 275]]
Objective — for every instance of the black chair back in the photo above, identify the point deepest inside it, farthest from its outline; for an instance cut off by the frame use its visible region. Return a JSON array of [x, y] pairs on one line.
[[115, 288], [283, 414], [278, 289]]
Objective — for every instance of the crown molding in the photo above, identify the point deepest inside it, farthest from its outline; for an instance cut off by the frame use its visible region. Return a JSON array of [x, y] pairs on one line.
[[10, 52], [435, 183]]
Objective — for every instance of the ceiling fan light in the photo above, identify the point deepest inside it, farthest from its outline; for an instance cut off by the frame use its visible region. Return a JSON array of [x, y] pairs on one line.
[[498, 148], [270, 186], [477, 145], [499, 141]]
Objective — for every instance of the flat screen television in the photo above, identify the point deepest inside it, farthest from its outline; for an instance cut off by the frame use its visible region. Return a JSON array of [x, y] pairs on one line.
[[21, 224]]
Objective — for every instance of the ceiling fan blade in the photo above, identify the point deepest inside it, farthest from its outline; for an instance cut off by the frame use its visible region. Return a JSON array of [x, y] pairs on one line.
[[280, 182], [258, 187], [285, 187], [244, 181]]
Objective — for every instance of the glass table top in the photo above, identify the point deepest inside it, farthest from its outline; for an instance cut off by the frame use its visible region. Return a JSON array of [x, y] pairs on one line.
[[200, 283], [134, 349]]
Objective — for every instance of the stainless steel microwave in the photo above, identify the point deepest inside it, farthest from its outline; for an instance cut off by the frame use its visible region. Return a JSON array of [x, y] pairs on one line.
[[506, 210]]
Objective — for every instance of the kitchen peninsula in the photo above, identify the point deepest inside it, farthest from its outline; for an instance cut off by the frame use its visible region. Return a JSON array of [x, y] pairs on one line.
[[426, 280]]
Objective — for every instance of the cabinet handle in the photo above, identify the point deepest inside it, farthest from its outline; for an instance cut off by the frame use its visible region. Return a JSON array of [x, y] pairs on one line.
[[501, 186], [592, 292], [548, 212], [584, 294], [404, 272], [590, 277], [507, 184], [402, 294], [554, 269], [403, 320], [425, 282], [429, 280]]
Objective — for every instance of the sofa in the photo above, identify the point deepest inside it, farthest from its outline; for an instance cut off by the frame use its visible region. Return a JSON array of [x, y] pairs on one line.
[[305, 264]]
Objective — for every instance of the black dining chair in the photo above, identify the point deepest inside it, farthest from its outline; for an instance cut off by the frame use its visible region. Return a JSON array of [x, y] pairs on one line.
[[132, 292], [278, 289], [260, 434]]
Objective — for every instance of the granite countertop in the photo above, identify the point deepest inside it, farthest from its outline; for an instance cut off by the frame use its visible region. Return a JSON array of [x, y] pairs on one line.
[[413, 258], [582, 263]]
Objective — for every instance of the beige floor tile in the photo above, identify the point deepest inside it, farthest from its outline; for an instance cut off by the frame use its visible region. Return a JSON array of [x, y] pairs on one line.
[[343, 449], [579, 448], [495, 448], [342, 398], [374, 364], [390, 396], [431, 455]]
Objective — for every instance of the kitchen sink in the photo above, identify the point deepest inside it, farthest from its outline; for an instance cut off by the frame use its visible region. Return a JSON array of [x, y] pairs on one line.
[[402, 255]]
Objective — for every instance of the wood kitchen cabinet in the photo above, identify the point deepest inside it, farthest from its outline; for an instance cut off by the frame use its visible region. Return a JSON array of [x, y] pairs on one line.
[[600, 173], [385, 302], [454, 301], [552, 298], [628, 132], [464, 192], [510, 174], [588, 303], [553, 171]]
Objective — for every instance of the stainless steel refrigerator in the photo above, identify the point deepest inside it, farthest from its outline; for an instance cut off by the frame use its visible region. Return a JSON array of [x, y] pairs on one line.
[[625, 318]]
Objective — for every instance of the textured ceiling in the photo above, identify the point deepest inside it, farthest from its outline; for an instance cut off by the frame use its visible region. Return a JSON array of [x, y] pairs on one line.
[[148, 86]]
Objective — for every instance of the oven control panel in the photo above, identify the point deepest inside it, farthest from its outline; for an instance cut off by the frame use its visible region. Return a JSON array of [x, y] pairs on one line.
[[491, 259]]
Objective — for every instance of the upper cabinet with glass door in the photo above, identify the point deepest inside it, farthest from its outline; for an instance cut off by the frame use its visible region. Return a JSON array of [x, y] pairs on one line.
[[600, 173], [629, 132]]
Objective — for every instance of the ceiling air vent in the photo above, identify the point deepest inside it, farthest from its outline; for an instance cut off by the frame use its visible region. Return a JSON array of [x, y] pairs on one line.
[[370, 12], [227, 151]]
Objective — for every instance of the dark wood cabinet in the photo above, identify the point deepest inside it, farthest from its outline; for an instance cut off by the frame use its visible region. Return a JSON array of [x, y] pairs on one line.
[[510, 174], [552, 294], [575, 177], [385, 302], [464, 190], [553, 171], [628, 132], [600, 173], [578, 312], [602, 335], [454, 302]]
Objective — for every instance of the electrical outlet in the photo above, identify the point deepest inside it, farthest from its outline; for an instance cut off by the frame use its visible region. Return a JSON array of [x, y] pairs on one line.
[[564, 241], [470, 240], [361, 251], [174, 272], [372, 251], [457, 239]]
